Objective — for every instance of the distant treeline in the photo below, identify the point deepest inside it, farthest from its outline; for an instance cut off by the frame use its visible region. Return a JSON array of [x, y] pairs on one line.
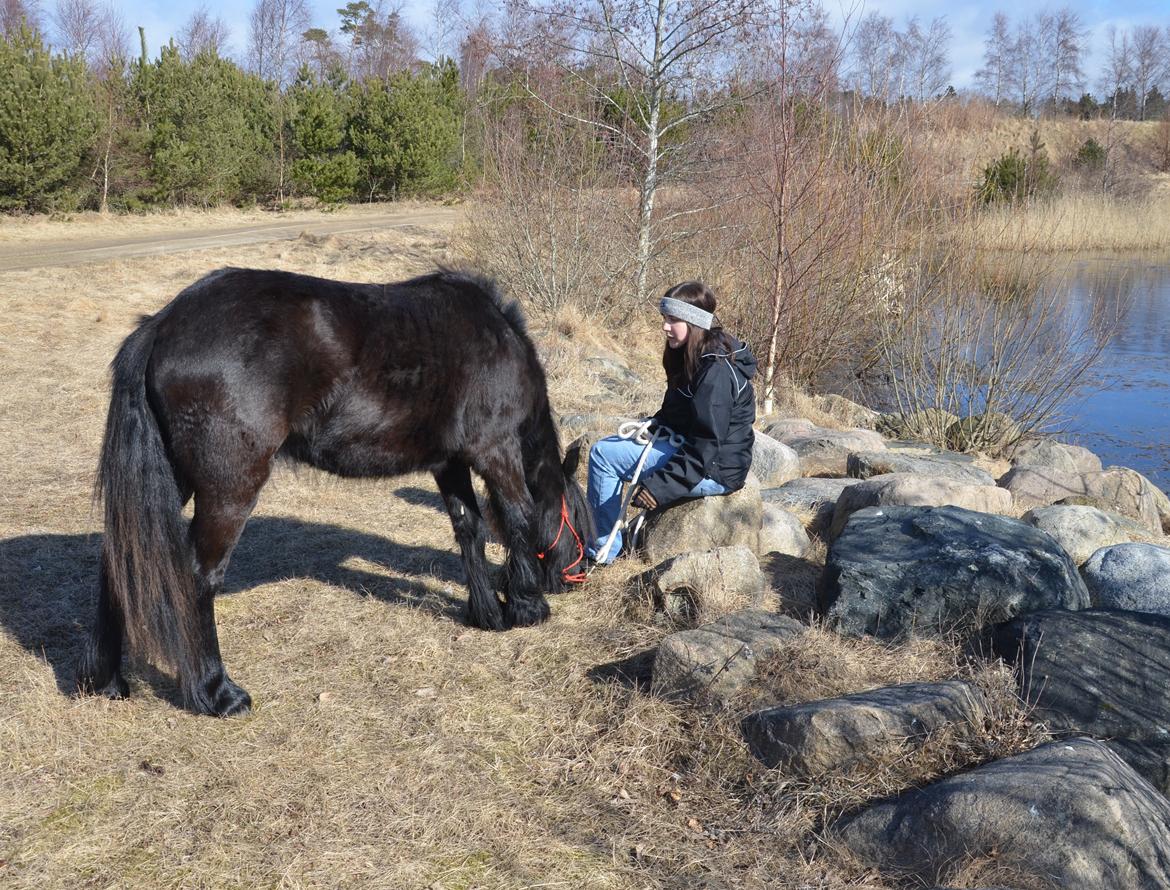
[[200, 130], [352, 114]]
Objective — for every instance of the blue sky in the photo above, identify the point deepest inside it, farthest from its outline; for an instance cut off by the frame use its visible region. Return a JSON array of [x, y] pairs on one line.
[[969, 21]]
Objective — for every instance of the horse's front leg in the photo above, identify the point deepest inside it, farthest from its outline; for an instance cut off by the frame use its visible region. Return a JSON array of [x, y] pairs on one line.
[[515, 510], [483, 606]]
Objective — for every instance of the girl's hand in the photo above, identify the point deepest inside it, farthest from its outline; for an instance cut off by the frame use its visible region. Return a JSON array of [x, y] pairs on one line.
[[643, 498]]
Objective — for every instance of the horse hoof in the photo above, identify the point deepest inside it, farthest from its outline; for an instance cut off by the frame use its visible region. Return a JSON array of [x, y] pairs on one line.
[[222, 699], [115, 689], [526, 611]]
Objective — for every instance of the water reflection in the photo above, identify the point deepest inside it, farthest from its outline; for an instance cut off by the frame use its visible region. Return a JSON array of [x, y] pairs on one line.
[[1125, 416]]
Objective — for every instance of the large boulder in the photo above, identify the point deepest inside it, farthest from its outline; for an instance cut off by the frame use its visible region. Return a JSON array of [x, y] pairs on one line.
[[773, 462], [1083, 530], [1098, 672], [706, 523], [946, 465], [1118, 489], [1044, 452], [697, 587], [782, 532], [912, 489], [1129, 576], [1033, 486], [815, 737], [815, 498], [901, 571], [825, 452], [1129, 492], [1071, 812], [714, 662]]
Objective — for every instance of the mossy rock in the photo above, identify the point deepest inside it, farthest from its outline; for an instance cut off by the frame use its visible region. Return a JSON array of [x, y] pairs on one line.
[[925, 425], [990, 432]]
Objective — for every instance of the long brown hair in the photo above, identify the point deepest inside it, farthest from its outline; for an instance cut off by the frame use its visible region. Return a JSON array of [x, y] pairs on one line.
[[682, 364]]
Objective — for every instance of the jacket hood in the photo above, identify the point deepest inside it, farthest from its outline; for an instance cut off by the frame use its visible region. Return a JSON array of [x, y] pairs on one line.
[[740, 358]]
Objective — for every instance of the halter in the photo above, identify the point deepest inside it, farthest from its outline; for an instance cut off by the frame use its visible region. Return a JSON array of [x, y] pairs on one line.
[[578, 577]]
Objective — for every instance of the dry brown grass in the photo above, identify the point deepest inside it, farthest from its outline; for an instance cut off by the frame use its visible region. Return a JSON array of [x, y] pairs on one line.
[[1075, 222], [390, 746]]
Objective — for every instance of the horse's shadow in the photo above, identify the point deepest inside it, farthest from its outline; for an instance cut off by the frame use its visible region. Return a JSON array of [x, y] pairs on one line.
[[48, 582]]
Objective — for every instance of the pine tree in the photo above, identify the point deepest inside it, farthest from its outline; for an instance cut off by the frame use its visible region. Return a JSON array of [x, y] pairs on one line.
[[405, 131], [47, 119], [324, 167], [210, 129]]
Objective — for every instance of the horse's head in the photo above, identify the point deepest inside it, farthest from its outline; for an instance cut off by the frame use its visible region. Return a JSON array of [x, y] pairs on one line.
[[569, 528]]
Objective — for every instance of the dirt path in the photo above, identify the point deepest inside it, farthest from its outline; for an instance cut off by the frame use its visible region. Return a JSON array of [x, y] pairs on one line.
[[72, 252]]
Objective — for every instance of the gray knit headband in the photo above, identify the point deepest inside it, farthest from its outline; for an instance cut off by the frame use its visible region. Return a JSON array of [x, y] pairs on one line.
[[684, 311]]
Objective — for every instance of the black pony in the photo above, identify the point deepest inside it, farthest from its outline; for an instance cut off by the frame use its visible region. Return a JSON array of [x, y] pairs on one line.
[[246, 366]]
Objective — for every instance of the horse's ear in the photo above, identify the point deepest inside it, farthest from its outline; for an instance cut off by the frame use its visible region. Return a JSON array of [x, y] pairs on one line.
[[572, 458]]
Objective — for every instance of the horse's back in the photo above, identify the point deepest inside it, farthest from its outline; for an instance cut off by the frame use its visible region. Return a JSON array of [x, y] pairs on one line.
[[358, 379]]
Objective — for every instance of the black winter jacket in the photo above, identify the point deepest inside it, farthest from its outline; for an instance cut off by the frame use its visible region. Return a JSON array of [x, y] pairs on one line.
[[715, 416]]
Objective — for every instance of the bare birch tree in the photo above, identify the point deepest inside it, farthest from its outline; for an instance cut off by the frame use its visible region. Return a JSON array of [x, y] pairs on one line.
[[994, 76], [15, 14], [1026, 72], [274, 29], [1118, 71], [202, 33], [873, 49], [1148, 63], [651, 68], [924, 57], [1064, 53]]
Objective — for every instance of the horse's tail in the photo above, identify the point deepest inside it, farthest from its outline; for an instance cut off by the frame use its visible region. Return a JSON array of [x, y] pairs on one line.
[[146, 555]]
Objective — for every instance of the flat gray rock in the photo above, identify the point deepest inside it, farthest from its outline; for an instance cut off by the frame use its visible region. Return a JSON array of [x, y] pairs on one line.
[[1130, 576], [1098, 672], [923, 571], [815, 737], [1082, 530], [712, 663], [946, 465], [1069, 811], [825, 452], [814, 497]]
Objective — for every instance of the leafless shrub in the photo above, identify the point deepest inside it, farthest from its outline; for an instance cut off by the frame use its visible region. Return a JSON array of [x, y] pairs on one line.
[[987, 339], [551, 224]]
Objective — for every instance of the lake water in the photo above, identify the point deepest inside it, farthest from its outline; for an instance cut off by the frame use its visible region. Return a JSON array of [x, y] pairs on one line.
[[1124, 416]]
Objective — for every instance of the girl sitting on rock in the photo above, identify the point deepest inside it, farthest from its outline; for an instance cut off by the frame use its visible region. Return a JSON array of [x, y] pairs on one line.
[[709, 403]]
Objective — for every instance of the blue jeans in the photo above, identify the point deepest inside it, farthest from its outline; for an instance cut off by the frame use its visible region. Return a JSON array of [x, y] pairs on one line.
[[611, 462]]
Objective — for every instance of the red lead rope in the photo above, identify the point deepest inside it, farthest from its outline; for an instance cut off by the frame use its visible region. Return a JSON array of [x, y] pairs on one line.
[[579, 577]]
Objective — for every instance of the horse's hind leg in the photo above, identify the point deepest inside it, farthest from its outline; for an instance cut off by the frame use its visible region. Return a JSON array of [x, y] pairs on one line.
[[483, 607], [100, 670], [215, 529]]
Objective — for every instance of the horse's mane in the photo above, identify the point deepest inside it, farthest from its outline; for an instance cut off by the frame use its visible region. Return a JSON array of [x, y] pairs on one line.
[[509, 308]]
